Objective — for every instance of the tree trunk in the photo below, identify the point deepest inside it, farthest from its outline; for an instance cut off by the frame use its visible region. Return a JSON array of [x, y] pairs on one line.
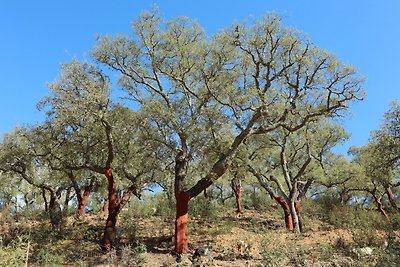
[[46, 205], [297, 207], [66, 201], [109, 231], [55, 213], [379, 205], [286, 210], [182, 203], [391, 199], [218, 169], [295, 218], [83, 200], [181, 222], [236, 188]]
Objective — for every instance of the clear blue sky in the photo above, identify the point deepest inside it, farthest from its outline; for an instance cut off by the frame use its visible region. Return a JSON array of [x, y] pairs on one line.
[[38, 36]]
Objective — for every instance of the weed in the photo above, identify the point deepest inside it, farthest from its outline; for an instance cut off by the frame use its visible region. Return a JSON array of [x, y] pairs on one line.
[[15, 253]]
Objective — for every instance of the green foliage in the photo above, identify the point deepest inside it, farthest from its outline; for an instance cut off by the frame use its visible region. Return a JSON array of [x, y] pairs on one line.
[[326, 251], [204, 208], [48, 257], [367, 237], [15, 253], [390, 257]]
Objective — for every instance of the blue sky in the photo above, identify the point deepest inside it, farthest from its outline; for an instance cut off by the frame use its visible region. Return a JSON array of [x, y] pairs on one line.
[[38, 36]]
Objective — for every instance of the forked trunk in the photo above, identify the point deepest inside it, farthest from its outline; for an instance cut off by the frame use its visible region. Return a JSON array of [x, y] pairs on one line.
[[286, 210], [391, 199], [109, 231], [379, 206], [181, 222]]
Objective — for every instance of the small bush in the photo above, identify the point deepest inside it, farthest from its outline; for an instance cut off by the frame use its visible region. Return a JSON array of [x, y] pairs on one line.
[[47, 257], [199, 206], [390, 257], [15, 253]]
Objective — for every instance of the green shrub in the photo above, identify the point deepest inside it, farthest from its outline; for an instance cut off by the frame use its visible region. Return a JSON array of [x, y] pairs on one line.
[[15, 253], [202, 207], [48, 257], [389, 257]]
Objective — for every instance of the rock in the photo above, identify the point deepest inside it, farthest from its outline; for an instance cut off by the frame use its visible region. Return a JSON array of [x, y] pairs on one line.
[[199, 252], [362, 252]]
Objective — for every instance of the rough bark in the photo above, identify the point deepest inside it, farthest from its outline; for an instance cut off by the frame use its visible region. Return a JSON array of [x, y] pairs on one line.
[[182, 202], [286, 210], [109, 231], [55, 213], [295, 218], [236, 188], [297, 207], [46, 204], [391, 199], [379, 205], [83, 199]]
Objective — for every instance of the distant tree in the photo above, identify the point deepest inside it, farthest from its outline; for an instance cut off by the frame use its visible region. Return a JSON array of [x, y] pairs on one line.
[[97, 136], [249, 79], [341, 176], [286, 164], [20, 159]]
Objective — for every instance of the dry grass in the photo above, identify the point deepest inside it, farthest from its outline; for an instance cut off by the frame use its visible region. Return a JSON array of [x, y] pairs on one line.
[[253, 239]]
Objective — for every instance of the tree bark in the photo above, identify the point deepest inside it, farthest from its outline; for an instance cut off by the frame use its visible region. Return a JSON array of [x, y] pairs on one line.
[[183, 196], [83, 199], [295, 218], [46, 205], [236, 188], [391, 199], [181, 222], [378, 202], [109, 231], [286, 210], [55, 213], [297, 207], [182, 203]]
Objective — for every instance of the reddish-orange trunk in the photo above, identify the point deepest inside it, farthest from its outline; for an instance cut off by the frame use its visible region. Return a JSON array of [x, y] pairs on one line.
[[83, 200], [181, 222], [286, 210], [109, 231]]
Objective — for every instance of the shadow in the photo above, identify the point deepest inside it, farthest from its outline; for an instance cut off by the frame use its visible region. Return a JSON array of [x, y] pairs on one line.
[[159, 244]]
